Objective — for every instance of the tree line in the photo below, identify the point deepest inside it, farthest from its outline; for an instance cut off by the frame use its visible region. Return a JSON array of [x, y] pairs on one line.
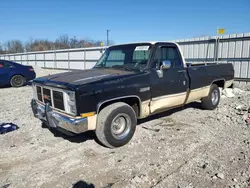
[[62, 42]]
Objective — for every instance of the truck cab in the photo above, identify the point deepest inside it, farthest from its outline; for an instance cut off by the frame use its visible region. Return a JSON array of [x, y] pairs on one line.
[[129, 82]]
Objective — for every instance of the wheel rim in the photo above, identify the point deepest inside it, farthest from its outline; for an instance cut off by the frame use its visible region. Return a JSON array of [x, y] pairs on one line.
[[17, 80], [215, 97], [121, 126]]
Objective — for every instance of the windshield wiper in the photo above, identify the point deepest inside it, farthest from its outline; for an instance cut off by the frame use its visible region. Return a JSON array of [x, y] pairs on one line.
[[122, 67], [101, 66]]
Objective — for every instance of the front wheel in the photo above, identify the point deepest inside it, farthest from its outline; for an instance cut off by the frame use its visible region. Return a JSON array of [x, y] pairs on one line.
[[116, 125], [212, 100], [17, 81]]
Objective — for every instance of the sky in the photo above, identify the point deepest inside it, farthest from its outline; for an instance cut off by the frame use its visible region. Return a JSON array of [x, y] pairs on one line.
[[127, 20]]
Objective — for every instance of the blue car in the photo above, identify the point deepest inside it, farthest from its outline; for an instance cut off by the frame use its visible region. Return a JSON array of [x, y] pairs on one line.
[[15, 74]]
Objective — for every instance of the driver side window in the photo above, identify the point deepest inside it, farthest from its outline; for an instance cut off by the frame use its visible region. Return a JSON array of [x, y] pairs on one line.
[[169, 53]]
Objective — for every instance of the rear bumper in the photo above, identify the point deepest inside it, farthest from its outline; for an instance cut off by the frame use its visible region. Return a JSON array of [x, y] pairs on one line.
[[55, 119]]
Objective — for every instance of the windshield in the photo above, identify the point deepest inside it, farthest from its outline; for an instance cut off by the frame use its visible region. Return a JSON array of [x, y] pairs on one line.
[[128, 57]]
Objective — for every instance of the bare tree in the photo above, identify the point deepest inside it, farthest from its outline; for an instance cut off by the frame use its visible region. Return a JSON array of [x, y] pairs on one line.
[[73, 42], [28, 45], [1, 49], [14, 46], [62, 42], [42, 45]]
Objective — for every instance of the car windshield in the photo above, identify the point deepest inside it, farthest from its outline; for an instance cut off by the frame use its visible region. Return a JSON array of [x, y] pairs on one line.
[[127, 57]]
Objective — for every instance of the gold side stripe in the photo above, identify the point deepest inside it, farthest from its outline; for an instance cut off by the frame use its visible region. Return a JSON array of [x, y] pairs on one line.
[[169, 96]]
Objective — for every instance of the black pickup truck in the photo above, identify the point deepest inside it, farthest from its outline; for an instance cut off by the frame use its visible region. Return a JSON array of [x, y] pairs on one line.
[[129, 82]]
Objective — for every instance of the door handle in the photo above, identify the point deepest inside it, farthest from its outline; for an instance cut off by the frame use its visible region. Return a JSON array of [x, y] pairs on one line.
[[182, 71]]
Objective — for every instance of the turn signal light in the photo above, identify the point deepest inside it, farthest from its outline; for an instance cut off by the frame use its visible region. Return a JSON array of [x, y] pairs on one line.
[[87, 114]]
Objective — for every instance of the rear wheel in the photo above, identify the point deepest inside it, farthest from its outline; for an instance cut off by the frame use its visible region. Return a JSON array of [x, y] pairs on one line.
[[116, 125], [212, 100], [17, 81]]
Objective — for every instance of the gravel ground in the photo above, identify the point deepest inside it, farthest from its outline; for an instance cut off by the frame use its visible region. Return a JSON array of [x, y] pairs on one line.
[[183, 148]]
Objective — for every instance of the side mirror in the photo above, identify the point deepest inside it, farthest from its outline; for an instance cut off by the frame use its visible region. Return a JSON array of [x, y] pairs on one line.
[[166, 64]]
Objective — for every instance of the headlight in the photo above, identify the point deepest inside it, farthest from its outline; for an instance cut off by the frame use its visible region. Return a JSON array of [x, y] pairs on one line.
[[73, 110], [72, 96], [71, 102]]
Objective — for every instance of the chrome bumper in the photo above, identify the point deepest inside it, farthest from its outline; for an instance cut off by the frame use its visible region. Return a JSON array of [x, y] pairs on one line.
[[54, 119]]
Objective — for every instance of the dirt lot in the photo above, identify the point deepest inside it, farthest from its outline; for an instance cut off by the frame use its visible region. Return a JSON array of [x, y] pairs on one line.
[[183, 148]]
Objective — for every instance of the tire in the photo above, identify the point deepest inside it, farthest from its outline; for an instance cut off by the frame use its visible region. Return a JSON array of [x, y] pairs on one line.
[[113, 134], [212, 100], [17, 81]]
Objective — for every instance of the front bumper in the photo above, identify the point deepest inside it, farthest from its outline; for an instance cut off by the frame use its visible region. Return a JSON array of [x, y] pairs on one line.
[[55, 119]]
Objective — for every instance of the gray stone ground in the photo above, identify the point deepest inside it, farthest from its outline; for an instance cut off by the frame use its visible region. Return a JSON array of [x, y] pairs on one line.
[[185, 148]]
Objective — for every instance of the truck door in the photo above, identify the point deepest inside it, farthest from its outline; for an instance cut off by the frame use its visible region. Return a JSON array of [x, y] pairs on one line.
[[169, 86]]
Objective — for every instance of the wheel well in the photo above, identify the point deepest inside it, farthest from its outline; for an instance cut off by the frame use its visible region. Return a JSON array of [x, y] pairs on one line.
[[219, 83], [134, 102]]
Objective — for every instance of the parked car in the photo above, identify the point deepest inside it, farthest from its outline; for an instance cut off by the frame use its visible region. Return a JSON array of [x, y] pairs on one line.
[[15, 74], [129, 82]]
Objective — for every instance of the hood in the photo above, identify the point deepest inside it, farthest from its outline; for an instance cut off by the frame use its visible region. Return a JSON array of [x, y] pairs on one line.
[[79, 77]]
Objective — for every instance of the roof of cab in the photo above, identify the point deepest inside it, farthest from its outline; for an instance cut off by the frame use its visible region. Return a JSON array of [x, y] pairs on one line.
[[143, 42]]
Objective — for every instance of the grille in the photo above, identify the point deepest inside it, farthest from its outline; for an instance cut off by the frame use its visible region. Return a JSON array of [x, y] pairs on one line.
[[47, 96], [39, 93], [58, 100], [52, 97]]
